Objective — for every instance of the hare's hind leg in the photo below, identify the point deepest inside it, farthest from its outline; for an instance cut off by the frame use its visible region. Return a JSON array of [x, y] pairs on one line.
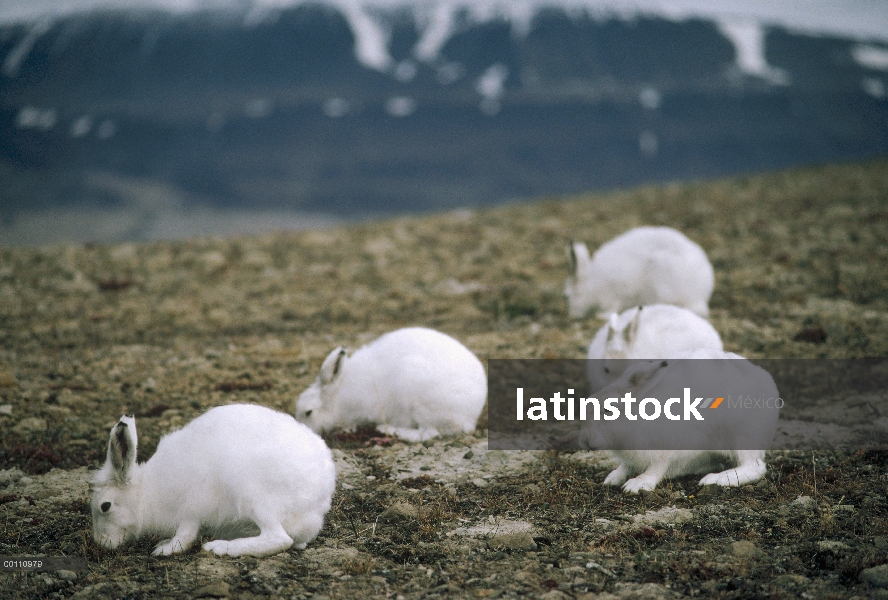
[[410, 435], [750, 468], [304, 529], [271, 539]]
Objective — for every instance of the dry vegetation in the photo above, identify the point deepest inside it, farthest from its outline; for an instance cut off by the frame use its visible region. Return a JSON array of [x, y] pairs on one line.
[[165, 330]]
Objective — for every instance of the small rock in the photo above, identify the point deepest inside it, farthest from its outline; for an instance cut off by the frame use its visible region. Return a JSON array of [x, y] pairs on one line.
[[399, 511], [805, 502], [212, 261], [531, 489], [791, 580], [634, 591], [667, 515], [811, 335], [555, 595], [468, 454], [525, 577], [8, 380], [30, 425], [596, 567], [8, 476], [711, 491], [47, 492], [831, 546], [216, 589], [517, 540], [66, 575], [5, 409], [57, 411], [256, 259], [480, 483], [876, 576], [745, 549], [497, 456]]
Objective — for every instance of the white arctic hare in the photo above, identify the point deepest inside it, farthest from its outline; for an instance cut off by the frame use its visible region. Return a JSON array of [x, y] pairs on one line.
[[646, 332], [716, 439], [645, 265], [229, 472], [415, 383]]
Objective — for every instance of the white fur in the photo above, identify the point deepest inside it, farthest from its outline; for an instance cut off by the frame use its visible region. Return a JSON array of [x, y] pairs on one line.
[[646, 332], [645, 265], [234, 471], [644, 469], [415, 383]]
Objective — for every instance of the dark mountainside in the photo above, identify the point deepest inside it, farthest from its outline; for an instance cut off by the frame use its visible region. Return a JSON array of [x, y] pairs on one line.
[[233, 116]]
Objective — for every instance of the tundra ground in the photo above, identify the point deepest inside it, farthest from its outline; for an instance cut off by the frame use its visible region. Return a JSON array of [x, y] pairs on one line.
[[166, 330]]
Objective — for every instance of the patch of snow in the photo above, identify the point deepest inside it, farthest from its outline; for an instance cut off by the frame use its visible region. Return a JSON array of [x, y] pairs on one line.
[[336, 107], [400, 106], [405, 71], [748, 38], [648, 143], [106, 129], [17, 56], [31, 117], [871, 57], [258, 108], [371, 37], [449, 73], [81, 126], [439, 30], [874, 87], [650, 98]]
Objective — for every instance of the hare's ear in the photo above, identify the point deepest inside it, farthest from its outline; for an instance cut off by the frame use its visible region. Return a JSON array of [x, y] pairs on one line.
[[613, 326], [122, 448], [631, 330], [578, 254], [332, 365], [642, 380]]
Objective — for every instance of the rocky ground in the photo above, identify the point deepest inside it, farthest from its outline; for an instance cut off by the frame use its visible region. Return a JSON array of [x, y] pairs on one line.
[[166, 330]]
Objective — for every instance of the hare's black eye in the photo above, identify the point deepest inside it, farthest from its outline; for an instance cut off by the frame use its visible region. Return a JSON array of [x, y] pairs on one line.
[[308, 413], [105, 506]]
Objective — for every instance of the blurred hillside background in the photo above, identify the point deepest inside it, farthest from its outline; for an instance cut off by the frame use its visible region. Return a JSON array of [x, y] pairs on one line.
[[124, 120]]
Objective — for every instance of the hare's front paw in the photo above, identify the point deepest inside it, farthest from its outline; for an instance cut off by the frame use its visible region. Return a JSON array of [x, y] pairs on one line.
[[716, 479], [218, 547], [639, 484], [617, 476], [735, 477], [168, 547]]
